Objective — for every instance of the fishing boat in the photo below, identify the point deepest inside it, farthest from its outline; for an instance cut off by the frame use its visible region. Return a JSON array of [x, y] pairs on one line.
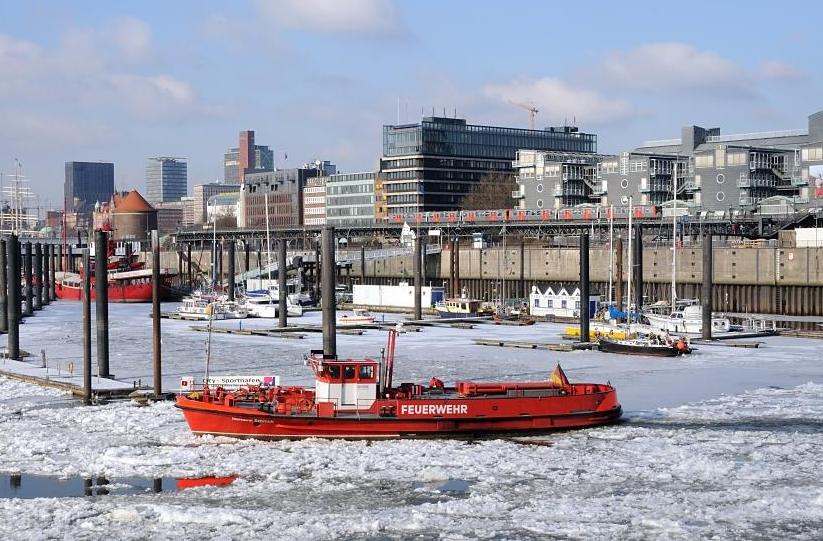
[[462, 307], [359, 316], [356, 399], [686, 319], [648, 346]]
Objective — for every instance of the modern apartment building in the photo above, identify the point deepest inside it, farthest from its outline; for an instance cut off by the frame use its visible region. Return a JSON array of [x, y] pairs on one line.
[[166, 179], [247, 157], [350, 199], [431, 165], [87, 183], [548, 179], [768, 172]]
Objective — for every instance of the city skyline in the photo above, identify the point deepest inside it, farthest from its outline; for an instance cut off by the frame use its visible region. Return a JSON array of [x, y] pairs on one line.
[[117, 84]]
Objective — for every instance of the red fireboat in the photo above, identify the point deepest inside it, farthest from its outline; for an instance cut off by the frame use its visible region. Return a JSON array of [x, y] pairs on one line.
[[355, 399]]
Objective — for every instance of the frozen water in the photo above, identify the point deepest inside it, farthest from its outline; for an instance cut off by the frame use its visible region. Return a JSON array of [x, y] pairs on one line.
[[725, 443]]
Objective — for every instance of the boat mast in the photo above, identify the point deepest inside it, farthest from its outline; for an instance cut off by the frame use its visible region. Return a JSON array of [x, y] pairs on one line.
[[268, 238], [611, 252], [674, 237], [631, 269]]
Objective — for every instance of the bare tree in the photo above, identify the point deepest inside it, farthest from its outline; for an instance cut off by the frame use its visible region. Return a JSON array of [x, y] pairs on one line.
[[492, 191]]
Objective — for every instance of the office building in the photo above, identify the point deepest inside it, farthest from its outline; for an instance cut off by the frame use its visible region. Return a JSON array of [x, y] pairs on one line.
[[166, 179], [314, 201], [431, 165], [189, 207], [87, 183], [278, 194], [247, 157], [350, 199], [169, 217], [201, 194]]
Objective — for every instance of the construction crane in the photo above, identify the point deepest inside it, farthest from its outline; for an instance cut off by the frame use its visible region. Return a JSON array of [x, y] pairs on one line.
[[528, 107]]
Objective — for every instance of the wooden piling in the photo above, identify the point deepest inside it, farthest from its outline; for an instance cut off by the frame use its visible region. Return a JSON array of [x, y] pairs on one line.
[[584, 287], [13, 306], [37, 272], [28, 310], [52, 266], [418, 278], [329, 305], [638, 268], [282, 309], [232, 269], [86, 328], [706, 292], [101, 292], [4, 316], [155, 304], [44, 279]]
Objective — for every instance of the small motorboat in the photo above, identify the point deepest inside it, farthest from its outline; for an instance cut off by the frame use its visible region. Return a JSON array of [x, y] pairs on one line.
[[359, 316], [652, 346], [264, 305]]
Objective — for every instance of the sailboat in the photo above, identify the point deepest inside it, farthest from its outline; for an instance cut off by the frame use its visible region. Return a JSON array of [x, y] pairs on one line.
[[687, 318]]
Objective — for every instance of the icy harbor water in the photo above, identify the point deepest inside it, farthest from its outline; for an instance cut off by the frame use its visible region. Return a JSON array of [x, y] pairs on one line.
[[725, 443]]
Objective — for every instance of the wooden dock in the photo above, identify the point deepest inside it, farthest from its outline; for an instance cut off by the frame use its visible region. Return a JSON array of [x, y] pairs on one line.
[[64, 378], [551, 346]]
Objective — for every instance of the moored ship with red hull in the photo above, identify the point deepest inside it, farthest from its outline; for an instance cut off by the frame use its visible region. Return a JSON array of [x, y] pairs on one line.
[[355, 399], [127, 286]]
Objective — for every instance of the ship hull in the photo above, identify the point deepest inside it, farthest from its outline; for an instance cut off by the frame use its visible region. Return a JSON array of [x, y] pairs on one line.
[[118, 292], [485, 417], [610, 346]]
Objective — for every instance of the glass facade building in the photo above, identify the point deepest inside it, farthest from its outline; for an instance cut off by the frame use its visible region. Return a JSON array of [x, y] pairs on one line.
[[350, 199], [166, 180], [433, 164], [263, 162], [87, 183]]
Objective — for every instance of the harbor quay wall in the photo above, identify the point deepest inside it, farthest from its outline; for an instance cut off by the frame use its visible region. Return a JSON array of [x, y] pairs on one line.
[[773, 280], [770, 280]]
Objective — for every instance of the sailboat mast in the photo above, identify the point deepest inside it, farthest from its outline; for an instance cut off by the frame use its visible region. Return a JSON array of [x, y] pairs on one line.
[[611, 253], [674, 237], [268, 237], [631, 269]]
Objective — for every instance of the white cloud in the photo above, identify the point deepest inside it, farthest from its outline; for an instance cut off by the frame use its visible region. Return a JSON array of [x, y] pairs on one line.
[[676, 67], [778, 70], [133, 37], [86, 69], [354, 17], [556, 99]]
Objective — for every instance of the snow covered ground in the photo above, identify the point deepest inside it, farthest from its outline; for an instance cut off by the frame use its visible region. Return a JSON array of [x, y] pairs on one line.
[[726, 442]]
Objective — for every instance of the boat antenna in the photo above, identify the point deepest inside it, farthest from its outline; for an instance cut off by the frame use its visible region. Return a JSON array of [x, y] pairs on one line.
[[210, 313]]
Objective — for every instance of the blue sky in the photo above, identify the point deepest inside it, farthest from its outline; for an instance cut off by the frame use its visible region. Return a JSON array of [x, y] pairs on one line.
[[317, 79]]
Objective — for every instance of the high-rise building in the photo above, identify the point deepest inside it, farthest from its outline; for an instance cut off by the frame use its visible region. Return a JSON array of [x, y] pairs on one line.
[[246, 158], [87, 183], [201, 194], [432, 165], [166, 179]]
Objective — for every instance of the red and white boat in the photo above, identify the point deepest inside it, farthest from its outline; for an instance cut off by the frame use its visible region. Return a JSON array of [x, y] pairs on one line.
[[129, 281], [355, 399]]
